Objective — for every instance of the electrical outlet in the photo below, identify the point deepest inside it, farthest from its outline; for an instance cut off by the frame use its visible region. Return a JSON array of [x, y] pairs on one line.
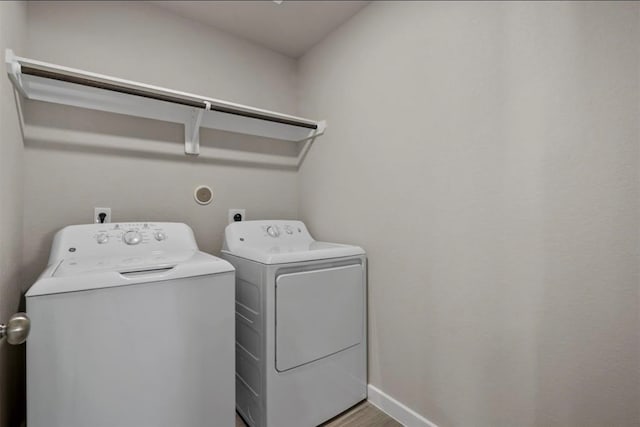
[[236, 215], [101, 215]]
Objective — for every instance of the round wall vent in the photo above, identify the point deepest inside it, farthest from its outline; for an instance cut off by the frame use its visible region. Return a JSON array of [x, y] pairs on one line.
[[203, 194]]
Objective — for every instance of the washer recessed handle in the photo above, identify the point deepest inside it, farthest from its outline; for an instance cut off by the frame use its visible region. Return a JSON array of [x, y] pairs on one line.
[[17, 329]]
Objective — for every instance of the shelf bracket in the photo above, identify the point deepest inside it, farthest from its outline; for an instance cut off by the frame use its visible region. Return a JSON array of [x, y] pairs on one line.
[[192, 130], [322, 126], [14, 70]]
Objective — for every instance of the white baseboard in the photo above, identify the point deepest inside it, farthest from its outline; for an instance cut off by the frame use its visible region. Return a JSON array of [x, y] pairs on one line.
[[396, 410]]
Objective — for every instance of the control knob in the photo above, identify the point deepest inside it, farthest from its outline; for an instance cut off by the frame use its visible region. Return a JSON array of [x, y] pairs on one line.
[[272, 231], [160, 236], [102, 238], [132, 237]]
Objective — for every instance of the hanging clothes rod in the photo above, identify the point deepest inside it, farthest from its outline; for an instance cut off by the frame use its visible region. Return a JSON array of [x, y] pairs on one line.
[[161, 97]]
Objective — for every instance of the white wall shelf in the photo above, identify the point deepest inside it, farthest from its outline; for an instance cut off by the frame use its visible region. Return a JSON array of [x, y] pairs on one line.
[[42, 81]]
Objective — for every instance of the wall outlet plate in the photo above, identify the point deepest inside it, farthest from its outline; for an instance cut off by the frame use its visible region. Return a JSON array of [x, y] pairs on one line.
[[97, 217], [232, 215]]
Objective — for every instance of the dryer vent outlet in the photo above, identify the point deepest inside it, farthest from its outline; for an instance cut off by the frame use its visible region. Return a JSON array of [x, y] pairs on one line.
[[236, 215]]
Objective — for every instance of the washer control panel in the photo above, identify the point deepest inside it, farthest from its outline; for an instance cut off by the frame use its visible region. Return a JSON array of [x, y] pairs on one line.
[[112, 238], [131, 233]]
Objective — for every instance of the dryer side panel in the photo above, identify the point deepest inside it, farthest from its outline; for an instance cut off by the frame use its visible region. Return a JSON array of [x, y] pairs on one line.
[[250, 339]]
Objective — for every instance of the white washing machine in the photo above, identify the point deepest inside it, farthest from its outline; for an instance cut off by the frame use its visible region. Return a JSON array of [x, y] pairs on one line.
[[131, 325], [301, 355]]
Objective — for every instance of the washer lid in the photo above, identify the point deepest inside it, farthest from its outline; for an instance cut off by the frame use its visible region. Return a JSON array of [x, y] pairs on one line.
[[280, 242], [85, 273]]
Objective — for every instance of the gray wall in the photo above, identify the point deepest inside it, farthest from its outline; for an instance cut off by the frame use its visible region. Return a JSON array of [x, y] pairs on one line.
[[12, 33], [75, 159], [486, 156]]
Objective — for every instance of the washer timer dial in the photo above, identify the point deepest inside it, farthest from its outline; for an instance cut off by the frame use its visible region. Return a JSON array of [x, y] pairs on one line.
[[272, 231], [132, 237]]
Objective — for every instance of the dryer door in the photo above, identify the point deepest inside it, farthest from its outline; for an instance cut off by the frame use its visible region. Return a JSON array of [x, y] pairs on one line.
[[318, 313]]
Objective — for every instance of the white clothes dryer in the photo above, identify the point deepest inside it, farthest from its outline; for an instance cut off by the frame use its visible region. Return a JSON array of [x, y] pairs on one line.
[[131, 325], [301, 355]]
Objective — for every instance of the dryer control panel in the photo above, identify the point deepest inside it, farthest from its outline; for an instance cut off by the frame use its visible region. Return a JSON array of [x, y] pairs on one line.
[[280, 242], [267, 234], [113, 238], [275, 229]]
